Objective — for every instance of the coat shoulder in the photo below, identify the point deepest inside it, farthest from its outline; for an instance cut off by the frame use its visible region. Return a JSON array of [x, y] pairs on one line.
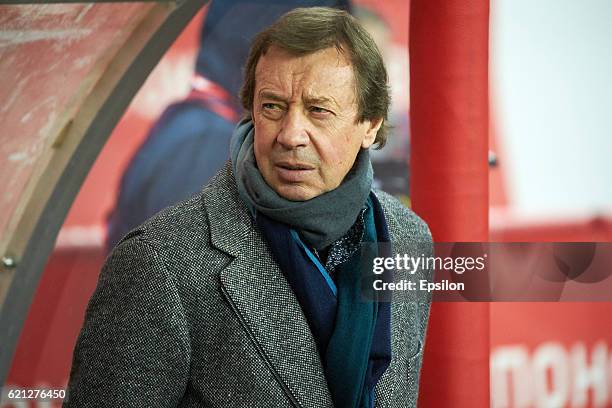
[[177, 225], [403, 221], [187, 222], [180, 236]]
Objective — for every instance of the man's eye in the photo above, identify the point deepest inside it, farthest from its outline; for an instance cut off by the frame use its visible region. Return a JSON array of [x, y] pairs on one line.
[[316, 109], [271, 106]]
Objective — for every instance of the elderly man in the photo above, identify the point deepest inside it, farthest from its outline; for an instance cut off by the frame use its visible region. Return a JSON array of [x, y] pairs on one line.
[[250, 294]]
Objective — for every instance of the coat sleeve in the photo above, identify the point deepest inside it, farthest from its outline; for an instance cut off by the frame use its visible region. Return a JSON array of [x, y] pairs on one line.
[[133, 349]]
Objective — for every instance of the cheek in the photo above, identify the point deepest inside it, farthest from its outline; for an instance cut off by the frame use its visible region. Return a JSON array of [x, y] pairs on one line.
[[260, 145], [340, 150], [264, 134], [335, 156]]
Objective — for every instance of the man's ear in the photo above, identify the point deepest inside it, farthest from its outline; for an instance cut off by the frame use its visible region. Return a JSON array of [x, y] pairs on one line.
[[372, 129]]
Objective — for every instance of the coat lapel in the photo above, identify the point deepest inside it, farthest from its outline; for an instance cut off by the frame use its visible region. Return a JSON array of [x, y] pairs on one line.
[[261, 297], [404, 333]]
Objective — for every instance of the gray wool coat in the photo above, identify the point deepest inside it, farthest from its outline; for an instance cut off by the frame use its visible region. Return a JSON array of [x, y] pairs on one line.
[[191, 310]]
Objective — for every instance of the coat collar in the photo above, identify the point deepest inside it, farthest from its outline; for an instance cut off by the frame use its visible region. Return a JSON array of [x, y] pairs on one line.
[[267, 307]]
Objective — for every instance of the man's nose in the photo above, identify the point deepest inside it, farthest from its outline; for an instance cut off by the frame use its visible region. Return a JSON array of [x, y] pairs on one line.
[[294, 130]]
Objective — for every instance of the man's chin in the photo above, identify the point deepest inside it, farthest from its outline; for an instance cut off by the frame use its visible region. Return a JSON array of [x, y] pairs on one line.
[[295, 192]]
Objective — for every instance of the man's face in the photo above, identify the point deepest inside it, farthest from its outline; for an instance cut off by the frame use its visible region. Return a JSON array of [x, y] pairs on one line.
[[305, 115]]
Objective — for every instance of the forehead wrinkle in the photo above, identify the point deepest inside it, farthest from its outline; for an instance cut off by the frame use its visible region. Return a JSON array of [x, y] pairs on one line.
[[273, 78], [294, 80], [331, 94]]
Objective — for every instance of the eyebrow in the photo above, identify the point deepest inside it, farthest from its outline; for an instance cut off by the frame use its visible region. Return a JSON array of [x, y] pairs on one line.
[[272, 96], [320, 100]]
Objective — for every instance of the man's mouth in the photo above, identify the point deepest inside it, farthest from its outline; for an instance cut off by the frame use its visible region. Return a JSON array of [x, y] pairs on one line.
[[294, 166], [293, 172]]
